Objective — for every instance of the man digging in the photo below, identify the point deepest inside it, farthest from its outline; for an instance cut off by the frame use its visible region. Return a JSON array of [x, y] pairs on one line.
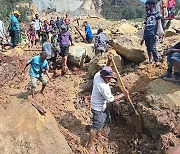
[[101, 95], [39, 65]]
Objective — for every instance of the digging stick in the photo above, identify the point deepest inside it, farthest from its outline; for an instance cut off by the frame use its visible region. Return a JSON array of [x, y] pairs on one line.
[[137, 120], [85, 41]]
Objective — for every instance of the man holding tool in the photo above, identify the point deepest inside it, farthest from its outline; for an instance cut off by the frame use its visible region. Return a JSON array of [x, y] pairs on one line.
[[101, 95]]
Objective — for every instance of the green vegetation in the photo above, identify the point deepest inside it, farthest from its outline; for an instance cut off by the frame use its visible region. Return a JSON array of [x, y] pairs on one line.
[[123, 9], [126, 9], [7, 7]]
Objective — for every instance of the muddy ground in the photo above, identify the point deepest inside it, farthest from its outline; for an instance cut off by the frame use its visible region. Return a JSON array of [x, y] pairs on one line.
[[68, 99]]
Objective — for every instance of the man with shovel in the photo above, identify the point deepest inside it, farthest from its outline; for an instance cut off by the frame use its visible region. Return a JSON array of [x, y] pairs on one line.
[[101, 95]]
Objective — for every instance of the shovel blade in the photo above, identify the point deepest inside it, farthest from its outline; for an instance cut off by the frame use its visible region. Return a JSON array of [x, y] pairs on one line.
[[137, 123]]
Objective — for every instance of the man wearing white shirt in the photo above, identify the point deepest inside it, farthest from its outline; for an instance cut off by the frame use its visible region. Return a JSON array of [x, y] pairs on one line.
[[37, 25], [2, 30], [101, 95]]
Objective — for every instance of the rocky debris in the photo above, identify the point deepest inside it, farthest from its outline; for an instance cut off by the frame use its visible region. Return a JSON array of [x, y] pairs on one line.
[[129, 48], [126, 28], [80, 53], [175, 24], [30, 132], [98, 62], [14, 52], [161, 116], [170, 32], [160, 91], [10, 67]]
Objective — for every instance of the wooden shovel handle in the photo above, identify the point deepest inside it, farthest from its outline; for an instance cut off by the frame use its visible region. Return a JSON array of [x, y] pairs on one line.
[[121, 85]]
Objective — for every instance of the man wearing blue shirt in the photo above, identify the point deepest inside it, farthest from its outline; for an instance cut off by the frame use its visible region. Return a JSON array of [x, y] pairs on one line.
[[15, 28], [59, 22], [39, 65], [88, 32]]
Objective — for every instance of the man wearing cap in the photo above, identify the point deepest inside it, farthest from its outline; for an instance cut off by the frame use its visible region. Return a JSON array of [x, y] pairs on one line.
[[15, 28], [101, 95]]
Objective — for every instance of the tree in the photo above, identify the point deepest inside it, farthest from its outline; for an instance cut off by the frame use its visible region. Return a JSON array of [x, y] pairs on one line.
[[122, 9]]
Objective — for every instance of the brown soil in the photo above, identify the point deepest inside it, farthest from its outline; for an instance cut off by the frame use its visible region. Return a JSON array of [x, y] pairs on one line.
[[68, 98]]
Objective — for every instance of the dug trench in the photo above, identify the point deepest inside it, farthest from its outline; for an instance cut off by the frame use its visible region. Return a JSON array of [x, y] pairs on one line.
[[68, 99]]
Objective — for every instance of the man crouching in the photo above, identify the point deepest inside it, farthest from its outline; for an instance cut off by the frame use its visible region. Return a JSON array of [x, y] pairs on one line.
[[39, 65], [101, 95]]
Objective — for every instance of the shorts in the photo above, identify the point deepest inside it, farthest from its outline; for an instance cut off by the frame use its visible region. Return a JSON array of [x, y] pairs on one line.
[[99, 119], [34, 80], [176, 56], [64, 50]]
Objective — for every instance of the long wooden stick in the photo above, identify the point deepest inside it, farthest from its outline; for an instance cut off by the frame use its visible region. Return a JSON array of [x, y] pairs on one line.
[[121, 84], [85, 41]]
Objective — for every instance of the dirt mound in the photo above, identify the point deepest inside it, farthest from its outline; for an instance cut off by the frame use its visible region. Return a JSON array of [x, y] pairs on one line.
[[30, 132], [10, 67]]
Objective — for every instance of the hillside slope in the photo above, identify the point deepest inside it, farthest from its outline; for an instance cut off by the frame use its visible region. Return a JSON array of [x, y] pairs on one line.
[[118, 9]]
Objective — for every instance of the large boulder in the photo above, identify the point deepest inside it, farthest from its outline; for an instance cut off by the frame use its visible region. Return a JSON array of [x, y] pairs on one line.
[[98, 62], [160, 91], [130, 48], [126, 28], [79, 53], [24, 130], [175, 24], [170, 32]]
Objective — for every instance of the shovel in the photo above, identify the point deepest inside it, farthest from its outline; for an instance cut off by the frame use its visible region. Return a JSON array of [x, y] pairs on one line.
[[137, 118]]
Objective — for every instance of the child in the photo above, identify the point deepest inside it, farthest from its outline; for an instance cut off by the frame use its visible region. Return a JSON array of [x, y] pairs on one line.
[[32, 35], [150, 31]]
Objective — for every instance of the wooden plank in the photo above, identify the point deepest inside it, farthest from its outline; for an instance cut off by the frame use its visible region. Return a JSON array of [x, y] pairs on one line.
[[39, 108]]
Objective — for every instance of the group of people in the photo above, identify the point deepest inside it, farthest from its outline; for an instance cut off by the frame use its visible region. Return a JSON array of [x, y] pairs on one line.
[[56, 33], [40, 30]]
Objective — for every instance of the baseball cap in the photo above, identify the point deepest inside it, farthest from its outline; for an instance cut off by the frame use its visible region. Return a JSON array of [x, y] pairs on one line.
[[107, 72], [16, 12]]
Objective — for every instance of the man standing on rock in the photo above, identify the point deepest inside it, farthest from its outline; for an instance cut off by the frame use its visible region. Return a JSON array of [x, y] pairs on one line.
[[39, 65], [150, 32], [15, 28], [100, 42], [101, 95], [88, 32]]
